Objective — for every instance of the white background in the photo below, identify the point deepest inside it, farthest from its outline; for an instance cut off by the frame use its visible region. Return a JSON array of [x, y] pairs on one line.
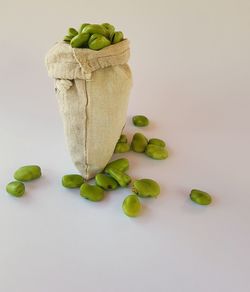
[[191, 67]]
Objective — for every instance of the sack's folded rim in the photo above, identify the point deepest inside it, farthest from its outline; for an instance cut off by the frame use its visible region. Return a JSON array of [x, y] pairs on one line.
[[65, 62]]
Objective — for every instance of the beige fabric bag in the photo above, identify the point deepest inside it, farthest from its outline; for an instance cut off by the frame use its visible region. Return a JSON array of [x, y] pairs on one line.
[[93, 90]]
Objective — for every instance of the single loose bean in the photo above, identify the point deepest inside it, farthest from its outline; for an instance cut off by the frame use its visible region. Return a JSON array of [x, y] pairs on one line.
[[156, 152], [15, 188], [123, 139], [139, 143], [140, 121], [106, 182], [200, 197], [156, 141], [121, 164], [91, 192], [122, 148], [27, 173], [131, 206], [146, 188], [72, 181]]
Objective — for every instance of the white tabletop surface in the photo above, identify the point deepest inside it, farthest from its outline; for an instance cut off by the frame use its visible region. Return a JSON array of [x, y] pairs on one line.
[[191, 68]]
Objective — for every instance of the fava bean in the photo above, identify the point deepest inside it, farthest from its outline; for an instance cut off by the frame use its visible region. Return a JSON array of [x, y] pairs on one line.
[[106, 182], [82, 27], [72, 181], [110, 28], [15, 188], [98, 42], [80, 41], [91, 192], [158, 142], [122, 178], [123, 139], [139, 143], [122, 148], [121, 164], [96, 29], [156, 152], [27, 173], [200, 197], [118, 37], [131, 206], [146, 188], [72, 32], [67, 38], [140, 121]]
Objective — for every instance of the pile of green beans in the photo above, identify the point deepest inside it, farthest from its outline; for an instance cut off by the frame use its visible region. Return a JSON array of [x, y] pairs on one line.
[[154, 148], [93, 36], [114, 175]]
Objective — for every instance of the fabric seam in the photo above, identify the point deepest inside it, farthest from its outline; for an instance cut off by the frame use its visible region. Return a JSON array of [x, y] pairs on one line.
[[86, 120]]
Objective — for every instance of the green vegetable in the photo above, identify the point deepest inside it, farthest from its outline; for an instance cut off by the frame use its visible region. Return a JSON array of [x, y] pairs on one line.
[[110, 28], [98, 42], [146, 188], [121, 164], [106, 182], [91, 192], [27, 173], [72, 181], [158, 142], [118, 37], [122, 148], [123, 139], [131, 206], [200, 197], [82, 27], [67, 38], [122, 178], [96, 29], [72, 32], [15, 188], [140, 121], [156, 152], [139, 143], [80, 41]]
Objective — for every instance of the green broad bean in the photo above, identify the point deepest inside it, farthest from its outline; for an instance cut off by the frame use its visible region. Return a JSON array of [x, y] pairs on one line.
[[91, 192], [139, 143], [72, 32], [96, 29], [122, 178], [131, 206], [105, 182], [156, 152], [123, 139], [146, 188], [122, 148], [121, 164], [118, 37], [67, 38], [98, 43], [156, 141], [80, 41], [200, 197], [15, 188], [110, 28], [27, 173], [82, 27], [140, 121], [72, 181]]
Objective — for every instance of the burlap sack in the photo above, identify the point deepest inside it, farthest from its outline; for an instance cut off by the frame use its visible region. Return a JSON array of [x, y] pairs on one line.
[[93, 90]]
